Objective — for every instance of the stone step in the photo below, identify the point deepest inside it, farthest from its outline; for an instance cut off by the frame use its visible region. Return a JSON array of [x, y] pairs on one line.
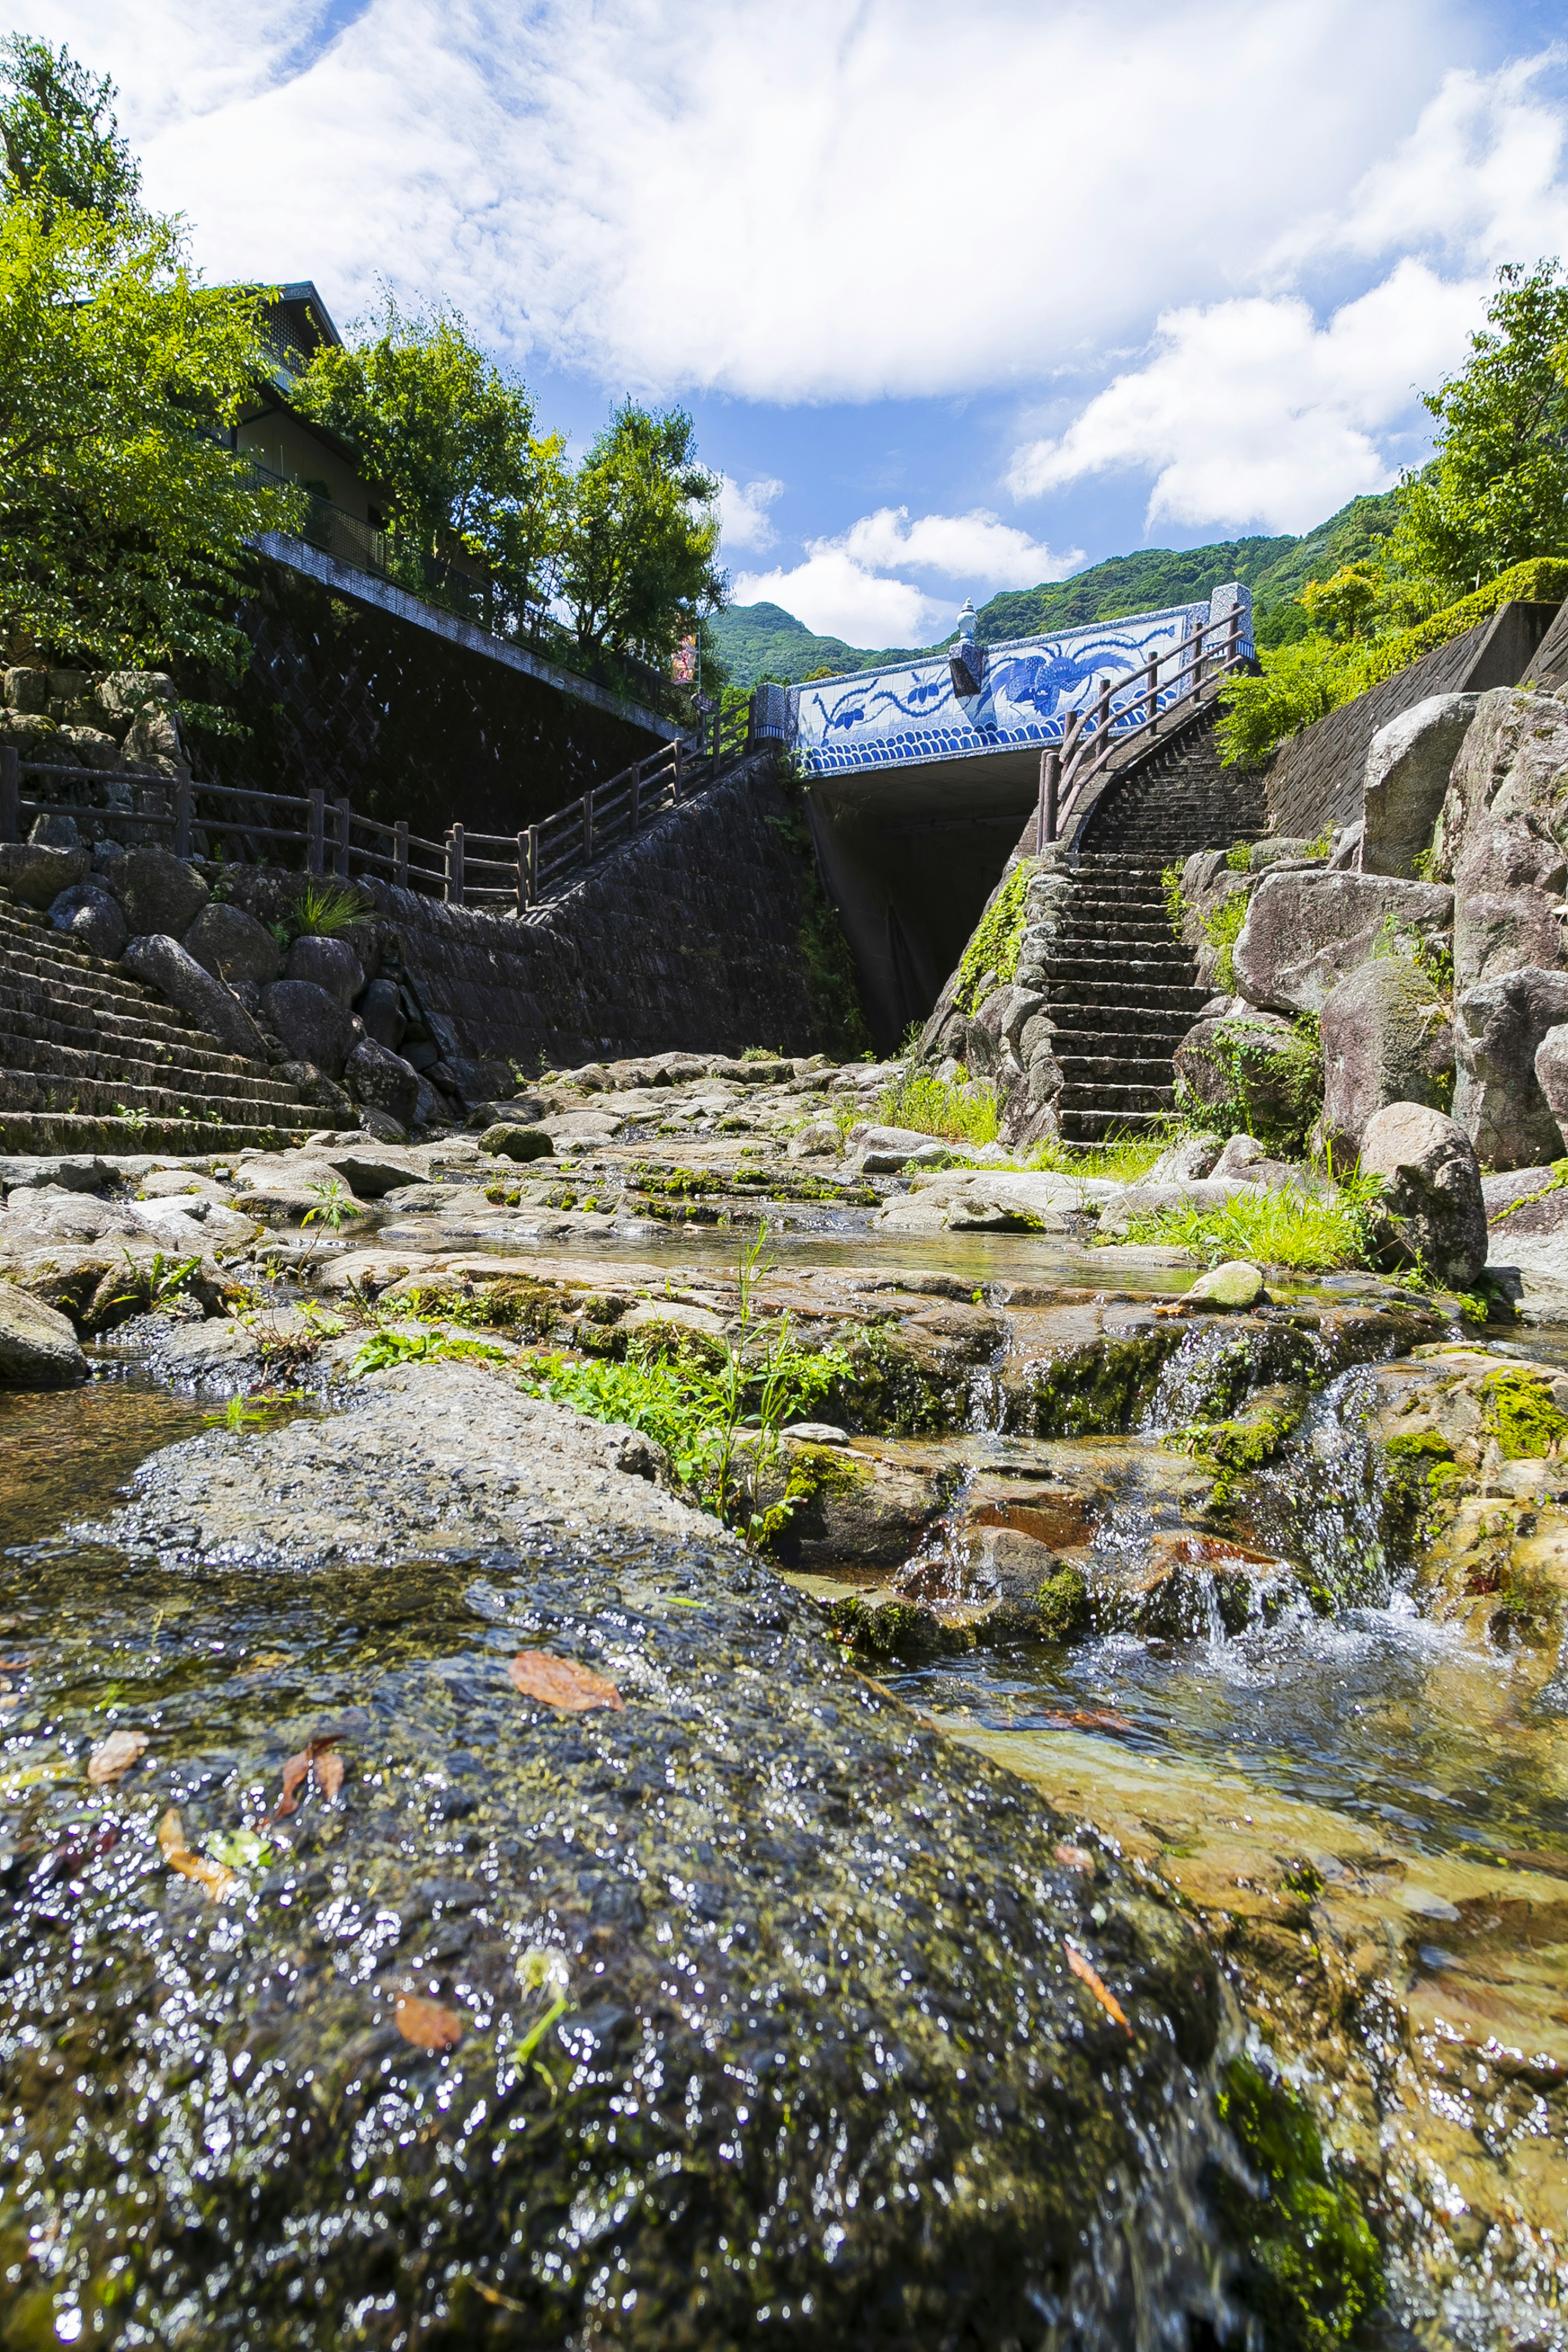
[[40, 1132], [1101, 992], [1111, 1099], [1100, 1126], [1082, 1023], [70, 1066], [1088, 1073], [171, 1053], [1152, 971]]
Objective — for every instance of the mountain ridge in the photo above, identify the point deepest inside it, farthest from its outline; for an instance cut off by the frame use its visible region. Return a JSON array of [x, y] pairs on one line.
[[763, 641]]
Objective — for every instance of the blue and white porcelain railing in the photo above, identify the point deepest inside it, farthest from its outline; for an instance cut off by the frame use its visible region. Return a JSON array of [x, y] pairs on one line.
[[1093, 738]]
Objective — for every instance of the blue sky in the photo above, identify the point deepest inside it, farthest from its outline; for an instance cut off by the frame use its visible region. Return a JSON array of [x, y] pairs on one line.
[[961, 298]]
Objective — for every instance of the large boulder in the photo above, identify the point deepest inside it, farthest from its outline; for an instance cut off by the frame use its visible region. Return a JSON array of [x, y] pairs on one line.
[[1500, 835], [382, 1013], [232, 945], [1498, 1026], [162, 963], [331, 963], [1407, 765], [37, 874], [38, 1344], [1551, 1076], [1257, 1062], [382, 1081], [158, 892], [89, 918], [1387, 1039], [1431, 1211], [312, 1025], [1307, 928]]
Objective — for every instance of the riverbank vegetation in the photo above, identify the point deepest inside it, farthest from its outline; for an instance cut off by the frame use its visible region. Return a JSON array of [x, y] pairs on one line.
[[1485, 520]]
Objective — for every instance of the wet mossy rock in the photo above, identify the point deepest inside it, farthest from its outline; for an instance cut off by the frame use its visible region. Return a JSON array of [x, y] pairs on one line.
[[1520, 1412], [763, 1988], [1312, 2271], [509, 1141]]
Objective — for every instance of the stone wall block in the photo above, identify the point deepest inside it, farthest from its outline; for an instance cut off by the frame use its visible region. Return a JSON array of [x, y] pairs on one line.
[[1408, 768]]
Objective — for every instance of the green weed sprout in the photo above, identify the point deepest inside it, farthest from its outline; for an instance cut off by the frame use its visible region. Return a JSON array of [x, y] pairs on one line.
[[335, 1202]]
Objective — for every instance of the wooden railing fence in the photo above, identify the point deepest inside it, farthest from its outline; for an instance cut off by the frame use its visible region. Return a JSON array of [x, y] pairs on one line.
[[1131, 714], [502, 871]]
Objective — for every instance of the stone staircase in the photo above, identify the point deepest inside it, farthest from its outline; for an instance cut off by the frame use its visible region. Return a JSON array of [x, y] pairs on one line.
[[1121, 988], [92, 1061]]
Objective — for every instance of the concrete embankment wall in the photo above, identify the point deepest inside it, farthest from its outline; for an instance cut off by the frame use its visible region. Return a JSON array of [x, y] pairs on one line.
[[409, 717], [697, 936], [1315, 778]]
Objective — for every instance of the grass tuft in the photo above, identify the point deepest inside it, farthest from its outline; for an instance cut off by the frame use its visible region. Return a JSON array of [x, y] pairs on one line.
[[1316, 1232], [1122, 1157], [931, 1107]]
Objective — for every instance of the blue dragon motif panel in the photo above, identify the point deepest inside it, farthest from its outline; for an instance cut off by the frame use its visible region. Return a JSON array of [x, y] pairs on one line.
[[911, 711]]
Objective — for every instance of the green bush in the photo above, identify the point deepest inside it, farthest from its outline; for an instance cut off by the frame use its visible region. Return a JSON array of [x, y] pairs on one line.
[[1314, 1233], [997, 937]]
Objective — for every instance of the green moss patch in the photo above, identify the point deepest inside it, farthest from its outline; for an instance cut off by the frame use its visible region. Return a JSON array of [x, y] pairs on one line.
[[1517, 1409], [1312, 2269], [1063, 1603]]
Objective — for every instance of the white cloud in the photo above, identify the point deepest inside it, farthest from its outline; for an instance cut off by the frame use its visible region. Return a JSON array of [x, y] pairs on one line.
[[743, 514], [837, 597], [1251, 410], [843, 199], [842, 589]]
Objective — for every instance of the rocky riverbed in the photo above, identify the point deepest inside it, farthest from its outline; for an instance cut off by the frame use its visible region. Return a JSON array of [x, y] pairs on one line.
[[1078, 1857]]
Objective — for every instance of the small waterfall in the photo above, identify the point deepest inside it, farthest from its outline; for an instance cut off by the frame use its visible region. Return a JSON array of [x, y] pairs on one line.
[[1325, 1501]]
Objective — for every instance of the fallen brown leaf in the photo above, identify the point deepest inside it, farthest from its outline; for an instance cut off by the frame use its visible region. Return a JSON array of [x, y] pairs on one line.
[[559, 1683], [1097, 1987], [1076, 1857], [213, 1877], [426, 2023], [114, 1758], [310, 1760]]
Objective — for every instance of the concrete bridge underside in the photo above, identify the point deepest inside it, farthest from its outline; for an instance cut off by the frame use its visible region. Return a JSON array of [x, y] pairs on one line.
[[910, 857]]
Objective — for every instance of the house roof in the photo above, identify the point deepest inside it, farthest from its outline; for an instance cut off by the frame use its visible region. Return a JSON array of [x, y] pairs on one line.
[[296, 323]]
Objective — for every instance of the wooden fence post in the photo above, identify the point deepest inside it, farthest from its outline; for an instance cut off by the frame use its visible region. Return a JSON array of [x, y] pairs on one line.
[[182, 817], [532, 865], [1046, 814], [400, 853], [454, 889], [1152, 691], [316, 834], [10, 792], [587, 825], [524, 893], [636, 794], [1102, 714], [679, 764], [345, 818], [751, 723]]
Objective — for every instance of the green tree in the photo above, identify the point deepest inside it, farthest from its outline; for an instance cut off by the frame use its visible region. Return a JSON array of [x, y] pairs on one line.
[[637, 569], [1495, 490], [449, 437], [58, 132], [123, 516]]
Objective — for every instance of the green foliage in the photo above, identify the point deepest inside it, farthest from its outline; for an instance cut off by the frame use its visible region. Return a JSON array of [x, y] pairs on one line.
[[158, 1282], [1174, 896], [62, 148], [996, 939], [1344, 605], [1222, 930], [1062, 1600], [1121, 1157], [1238, 857], [1313, 2269], [1495, 490], [695, 1397], [1435, 964], [448, 436], [642, 536], [334, 1203], [124, 518], [1232, 1449], [1313, 1231], [325, 910], [928, 1104], [384, 1348], [1274, 1090]]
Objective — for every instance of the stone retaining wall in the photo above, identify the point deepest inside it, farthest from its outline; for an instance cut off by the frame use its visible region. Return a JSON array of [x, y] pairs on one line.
[[1316, 777], [690, 937]]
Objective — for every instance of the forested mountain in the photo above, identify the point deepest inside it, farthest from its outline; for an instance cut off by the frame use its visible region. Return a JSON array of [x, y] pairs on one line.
[[764, 641]]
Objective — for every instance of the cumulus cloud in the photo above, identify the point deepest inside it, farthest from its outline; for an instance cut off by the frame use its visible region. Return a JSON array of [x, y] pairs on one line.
[[788, 204], [743, 514], [1254, 410], [843, 588]]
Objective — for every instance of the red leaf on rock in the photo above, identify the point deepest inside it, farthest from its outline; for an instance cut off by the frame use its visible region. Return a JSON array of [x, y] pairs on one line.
[[426, 2023], [311, 1759], [559, 1683], [1099, 1988]]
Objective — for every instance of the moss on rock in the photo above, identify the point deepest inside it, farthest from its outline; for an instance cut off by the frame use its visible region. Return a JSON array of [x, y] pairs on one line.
[[1312, 2270]]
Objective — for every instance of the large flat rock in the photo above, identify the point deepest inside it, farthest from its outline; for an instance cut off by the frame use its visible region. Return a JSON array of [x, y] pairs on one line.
[[762, 1989]]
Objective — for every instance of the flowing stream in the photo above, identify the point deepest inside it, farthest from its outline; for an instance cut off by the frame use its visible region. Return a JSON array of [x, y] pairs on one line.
[[1361, 1726]]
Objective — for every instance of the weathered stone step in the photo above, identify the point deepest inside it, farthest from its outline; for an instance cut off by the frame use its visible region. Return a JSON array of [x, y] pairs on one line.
[[70, 1066], [39, 1131], [1104, 1097]]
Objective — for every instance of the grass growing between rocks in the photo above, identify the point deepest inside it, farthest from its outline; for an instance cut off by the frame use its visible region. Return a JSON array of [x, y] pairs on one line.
[[1316, 1232], [930, 1106], [1122, 1157], [716, 1406]]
